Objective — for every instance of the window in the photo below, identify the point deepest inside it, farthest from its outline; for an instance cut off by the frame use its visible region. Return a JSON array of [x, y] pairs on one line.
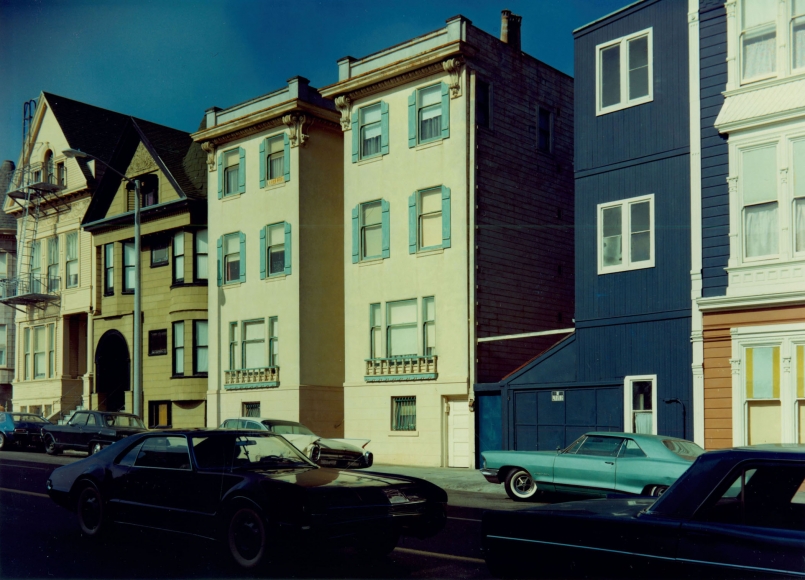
[[3, 265], [628, 223], [3, 343], [797, 34], [53, 264], [71, 260], [26, 366], [639, 403], [201, 255], [429, 326], [429, 219], [200, 346], [273, 342], [178, 349], [50, 171], [370, 131], [233, 346], [429, 113], [275, 250], [157, 342], [251, 410], [762, 390], [375, 332], [624, 72], [51, 350], [164, 453], [129, 271], [544, 130], [178, 258], [40, 363], [254, 344], [370, 231], [483, 104], [274, 160], [61, 175], [403, 413], [758, 39], [759, 189], [232, 247], [231, 173], [798, 169], [37, 176], [36, 267], [149, 189], [159, 414], [600, 446], [108, 269], [401, 337], [159, 252]]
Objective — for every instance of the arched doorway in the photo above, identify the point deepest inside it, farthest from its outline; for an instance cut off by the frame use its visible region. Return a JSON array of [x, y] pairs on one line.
[[112, 371]]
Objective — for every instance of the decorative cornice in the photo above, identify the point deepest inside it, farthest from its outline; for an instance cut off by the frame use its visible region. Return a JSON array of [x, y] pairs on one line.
[[735, 366], [296, 123], [453, 67], [730, 6], [396, 81], [343, 104], [732, 184], [209, 147], [726, 303]]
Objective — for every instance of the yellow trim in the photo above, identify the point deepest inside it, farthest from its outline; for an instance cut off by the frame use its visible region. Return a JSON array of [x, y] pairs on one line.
[[775, 372], [750, 373]]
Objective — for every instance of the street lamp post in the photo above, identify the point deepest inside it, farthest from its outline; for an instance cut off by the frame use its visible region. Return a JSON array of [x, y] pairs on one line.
[[684, 415], [137, 387]]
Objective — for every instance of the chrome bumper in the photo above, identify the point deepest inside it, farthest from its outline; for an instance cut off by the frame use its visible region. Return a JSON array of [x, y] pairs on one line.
[[491, 475]]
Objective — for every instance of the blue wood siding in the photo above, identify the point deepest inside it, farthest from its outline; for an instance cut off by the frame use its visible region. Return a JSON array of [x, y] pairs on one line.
[[487, 410], [715, 162]]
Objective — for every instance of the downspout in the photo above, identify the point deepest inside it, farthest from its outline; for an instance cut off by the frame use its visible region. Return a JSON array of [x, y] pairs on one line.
[[471, 180]]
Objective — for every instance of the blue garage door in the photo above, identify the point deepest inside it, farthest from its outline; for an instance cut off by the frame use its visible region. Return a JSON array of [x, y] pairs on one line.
[[543, 421]]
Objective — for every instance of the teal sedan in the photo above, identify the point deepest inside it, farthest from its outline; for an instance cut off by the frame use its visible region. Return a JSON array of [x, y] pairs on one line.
[[596, 463]]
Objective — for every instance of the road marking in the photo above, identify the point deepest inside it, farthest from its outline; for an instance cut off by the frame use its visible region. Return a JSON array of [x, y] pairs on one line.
[[463, 519], [438, 555], [33, 493]]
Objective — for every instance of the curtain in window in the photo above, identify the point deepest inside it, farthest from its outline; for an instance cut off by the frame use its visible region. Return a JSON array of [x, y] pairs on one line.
[[798, 35], [761, 230], [643, 422], [371, 131], [759, 38], [405, 414], [430, 115]]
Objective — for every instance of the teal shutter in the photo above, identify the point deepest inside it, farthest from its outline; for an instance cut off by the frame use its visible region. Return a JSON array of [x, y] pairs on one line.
[[242, 170], [445, 217], [385, 225], [220, 176], [263, 163], [445, 111], [412, 223], [220, 245], [286, 156], [412, 119], [355, 137], [242, 257], [287, 248], [384, 128], [356, 241], [263, 253]]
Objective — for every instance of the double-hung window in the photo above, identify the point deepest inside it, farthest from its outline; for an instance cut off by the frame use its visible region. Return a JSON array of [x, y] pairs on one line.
[[370, 131], [760, 206], [178, 258], [624, 76], [53, 264], [40, 362], [234, 363], [26, 361], [200, 346], [758, 39], [71, 260], [36, 267], [273, 160], [626, 234], [61, 176], [232, 258], [797, 34], [429, 326], [129, 271], [157, 342], [51, 350], [371, 227], [108, 269], [232, 172], [254, 344], [798, 181], [401, 338], [429, 114], [201, 251], [375, 332], [159, 252], [275, 250], [273, 342], [429, 219], [178, 349], [404, 331]]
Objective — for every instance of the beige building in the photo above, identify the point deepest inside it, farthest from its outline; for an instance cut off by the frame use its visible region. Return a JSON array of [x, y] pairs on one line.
[[173, 277], [457, 217], [276, 321]]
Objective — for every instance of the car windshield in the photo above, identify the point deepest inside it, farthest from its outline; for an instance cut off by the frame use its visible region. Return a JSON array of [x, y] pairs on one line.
[[247, 451], [297, 429], [685, 449], [27, 417], [123, 421]]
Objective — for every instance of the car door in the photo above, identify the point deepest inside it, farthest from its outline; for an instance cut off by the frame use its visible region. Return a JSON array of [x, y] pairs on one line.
[[71, 435], [753, 525], [593, 465], [88, 431]]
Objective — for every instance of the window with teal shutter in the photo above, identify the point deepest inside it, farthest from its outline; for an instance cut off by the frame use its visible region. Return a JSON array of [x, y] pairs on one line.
[[386, 228], [412, 119], [429, 219], [429, 114], [231, 180], [371, 138], [445, 217], [275, 250], [232, 258], [263, 253], [287, 248], [286, 165], [274, 158], [242, 257], [355, 137], [412, 219], [356, 244], [241, 170], [384, 128], [370, 231]]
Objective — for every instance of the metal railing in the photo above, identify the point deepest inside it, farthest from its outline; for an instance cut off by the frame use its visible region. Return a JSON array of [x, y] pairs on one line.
[[401, 365], [262, 375], [30, 284]]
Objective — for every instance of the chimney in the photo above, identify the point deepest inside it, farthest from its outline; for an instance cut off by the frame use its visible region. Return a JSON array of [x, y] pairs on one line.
[[510, 29]]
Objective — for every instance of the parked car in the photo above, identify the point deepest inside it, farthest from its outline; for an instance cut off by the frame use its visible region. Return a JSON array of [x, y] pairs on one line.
[[250, 490], [736, 513], [21, 430], [340, 453], [90, 431], [595, 463]]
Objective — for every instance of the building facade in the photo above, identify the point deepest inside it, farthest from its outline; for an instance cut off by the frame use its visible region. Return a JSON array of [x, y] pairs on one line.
[[8, 253], [754, 308], [457, 252], [276, 310], [174, 270]]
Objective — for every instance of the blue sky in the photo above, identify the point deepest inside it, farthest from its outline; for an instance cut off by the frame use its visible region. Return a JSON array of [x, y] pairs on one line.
[[169, 60]]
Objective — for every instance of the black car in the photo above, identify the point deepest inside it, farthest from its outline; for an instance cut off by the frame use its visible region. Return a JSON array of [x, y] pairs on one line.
[[21, 430], [252, 491], [734, 513], [90, 431]]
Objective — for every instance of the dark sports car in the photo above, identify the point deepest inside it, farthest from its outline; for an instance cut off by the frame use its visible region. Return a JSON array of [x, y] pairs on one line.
[[737, 513], [21, 430], [248, 490], [90, 431]]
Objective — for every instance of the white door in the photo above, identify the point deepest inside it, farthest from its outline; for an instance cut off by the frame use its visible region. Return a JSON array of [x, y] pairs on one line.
[[458, 433]]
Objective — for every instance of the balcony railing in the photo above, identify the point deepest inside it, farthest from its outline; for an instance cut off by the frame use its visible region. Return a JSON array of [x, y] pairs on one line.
[[30, 289], [401, 368], [258, 378]]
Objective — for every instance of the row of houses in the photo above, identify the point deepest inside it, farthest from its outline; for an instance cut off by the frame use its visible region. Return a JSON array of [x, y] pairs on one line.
[[400, 256]]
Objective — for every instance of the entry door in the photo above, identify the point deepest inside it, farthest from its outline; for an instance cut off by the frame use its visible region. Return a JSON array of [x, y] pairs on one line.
[[458, 433]]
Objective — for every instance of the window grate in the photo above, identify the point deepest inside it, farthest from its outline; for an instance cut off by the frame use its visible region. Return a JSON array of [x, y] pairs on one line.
[[403, 414]]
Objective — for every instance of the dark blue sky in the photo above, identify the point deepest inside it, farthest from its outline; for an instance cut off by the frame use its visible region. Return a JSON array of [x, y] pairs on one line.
[[169, 60]]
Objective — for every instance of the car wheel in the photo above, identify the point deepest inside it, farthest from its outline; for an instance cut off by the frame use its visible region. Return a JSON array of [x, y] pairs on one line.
[[50, 445], [520, 485], [657, 490], [95, 448], [91, 511], [246, 537]]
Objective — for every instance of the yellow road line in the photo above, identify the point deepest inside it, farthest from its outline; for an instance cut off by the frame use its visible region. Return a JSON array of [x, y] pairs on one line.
[[442, 556], [33, 493]]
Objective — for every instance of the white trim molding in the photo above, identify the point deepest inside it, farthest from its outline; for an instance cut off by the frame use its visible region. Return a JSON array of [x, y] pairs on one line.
[[627, 401], [624, 102]]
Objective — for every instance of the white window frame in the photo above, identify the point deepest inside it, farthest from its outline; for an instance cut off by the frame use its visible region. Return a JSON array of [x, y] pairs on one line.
[[626, 262], [362, 126], [270, 141], [225, 192], [624, 103], [68, 261], [787, 337], [627, 401]]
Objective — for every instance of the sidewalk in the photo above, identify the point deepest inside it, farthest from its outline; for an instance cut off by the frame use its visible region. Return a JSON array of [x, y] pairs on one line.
[[449, 478]]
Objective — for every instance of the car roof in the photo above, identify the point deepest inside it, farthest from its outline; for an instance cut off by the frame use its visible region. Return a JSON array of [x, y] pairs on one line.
[[265, 420]]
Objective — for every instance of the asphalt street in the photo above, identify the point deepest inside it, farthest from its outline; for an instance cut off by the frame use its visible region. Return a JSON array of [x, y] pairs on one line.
[[38, 539]]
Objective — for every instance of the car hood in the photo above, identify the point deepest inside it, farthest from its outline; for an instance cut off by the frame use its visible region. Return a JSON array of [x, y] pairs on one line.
[[303, 443], [324, 477]]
